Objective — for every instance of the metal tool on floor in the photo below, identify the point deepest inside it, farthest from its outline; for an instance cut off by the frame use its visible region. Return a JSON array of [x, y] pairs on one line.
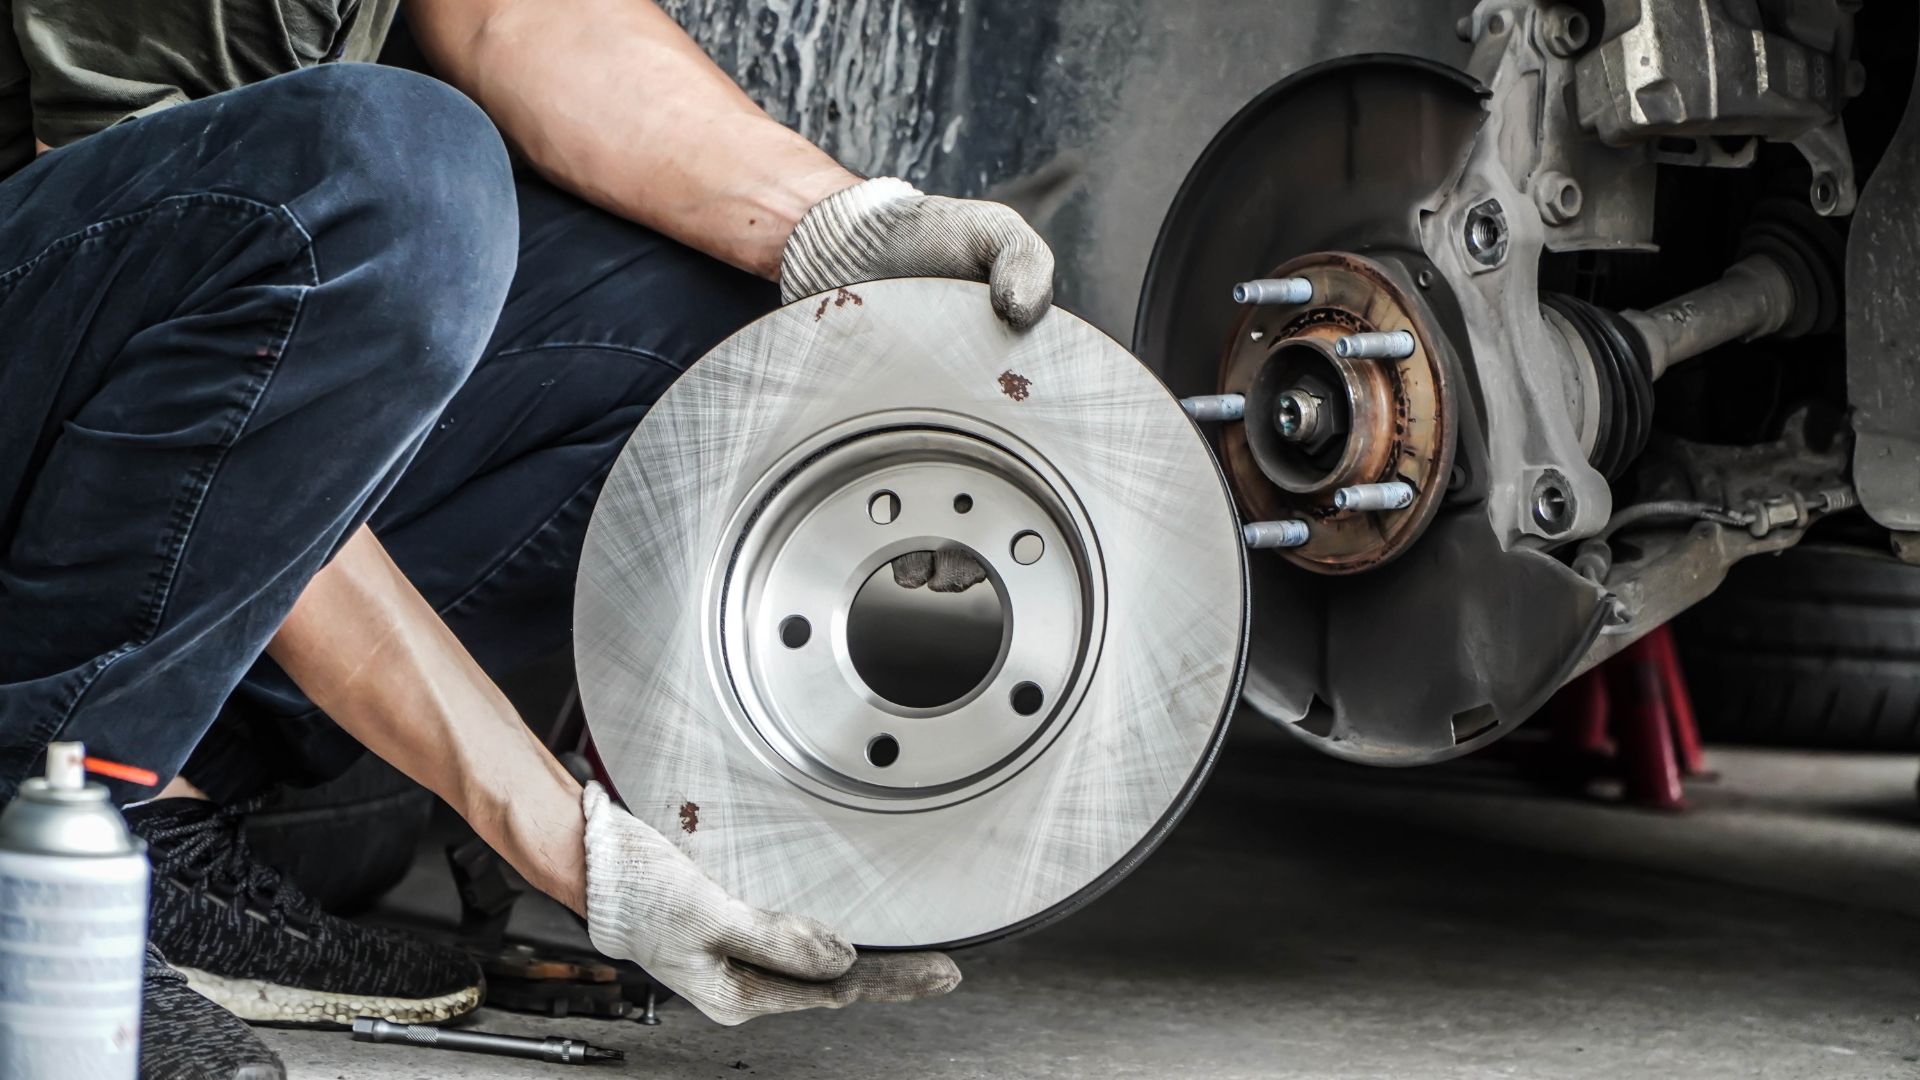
[[552, 1048]]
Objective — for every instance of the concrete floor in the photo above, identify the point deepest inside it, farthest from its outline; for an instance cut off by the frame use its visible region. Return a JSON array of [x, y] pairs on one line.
[[1311, 919]]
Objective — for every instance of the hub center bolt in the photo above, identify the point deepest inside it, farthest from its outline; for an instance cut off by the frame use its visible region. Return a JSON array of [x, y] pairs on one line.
[[1296, 415], [1375, 345], [1396, 495]]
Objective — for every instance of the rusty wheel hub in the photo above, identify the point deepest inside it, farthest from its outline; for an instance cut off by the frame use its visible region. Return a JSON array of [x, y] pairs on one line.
[[1317, 422]]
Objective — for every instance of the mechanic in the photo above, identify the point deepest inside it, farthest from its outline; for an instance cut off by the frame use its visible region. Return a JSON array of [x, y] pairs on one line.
[[305, 396]]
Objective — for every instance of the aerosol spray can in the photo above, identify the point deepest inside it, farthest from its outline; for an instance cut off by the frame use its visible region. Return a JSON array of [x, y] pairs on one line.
[[73, 929]]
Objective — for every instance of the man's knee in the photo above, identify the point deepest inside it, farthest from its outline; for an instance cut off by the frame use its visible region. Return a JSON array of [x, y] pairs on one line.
[[428, 154], [412, 215]]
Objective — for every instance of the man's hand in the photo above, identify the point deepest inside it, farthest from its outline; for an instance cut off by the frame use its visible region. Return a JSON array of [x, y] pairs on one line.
[[648, 903], [886, 228]]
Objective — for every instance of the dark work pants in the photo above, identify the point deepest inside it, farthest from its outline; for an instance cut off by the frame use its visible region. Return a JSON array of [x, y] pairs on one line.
[[232, 332]]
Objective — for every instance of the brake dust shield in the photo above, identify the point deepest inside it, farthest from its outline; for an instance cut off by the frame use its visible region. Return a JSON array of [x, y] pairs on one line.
[[1455, 642], [913, 768]]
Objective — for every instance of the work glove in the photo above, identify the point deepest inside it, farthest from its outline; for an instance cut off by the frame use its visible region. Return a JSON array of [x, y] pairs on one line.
[[648, 903], [885, 227]]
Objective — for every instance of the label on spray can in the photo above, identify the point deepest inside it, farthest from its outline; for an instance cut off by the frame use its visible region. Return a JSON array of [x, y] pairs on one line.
[[73, 931], [72, 949]]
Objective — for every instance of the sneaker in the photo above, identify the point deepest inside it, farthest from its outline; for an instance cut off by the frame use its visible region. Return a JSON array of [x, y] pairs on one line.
[[258, 947], [183, 1036]]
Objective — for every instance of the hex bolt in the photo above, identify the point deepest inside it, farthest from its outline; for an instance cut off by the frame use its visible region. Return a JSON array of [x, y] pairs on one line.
[[1292, 290], [1296, 415], [1375, 345], [1558, 196], [1359, 498], [1274, 534], [1564, 30], [1214, 408]]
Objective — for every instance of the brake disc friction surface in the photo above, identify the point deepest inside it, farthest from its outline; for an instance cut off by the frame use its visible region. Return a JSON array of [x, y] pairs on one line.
[[911, 768]]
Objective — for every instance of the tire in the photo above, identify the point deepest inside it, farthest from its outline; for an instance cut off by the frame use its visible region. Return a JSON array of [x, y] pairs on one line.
[[347, 841], [1812, 648]]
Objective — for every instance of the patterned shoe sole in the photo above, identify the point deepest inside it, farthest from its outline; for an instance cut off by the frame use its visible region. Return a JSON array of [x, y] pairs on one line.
[[269, 1003]]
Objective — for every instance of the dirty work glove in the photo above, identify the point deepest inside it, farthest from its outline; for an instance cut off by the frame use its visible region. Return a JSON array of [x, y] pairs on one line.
[[885, 227], [648, 903], [949, 570]]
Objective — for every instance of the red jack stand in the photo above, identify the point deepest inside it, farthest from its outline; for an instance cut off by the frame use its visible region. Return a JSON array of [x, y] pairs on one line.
[[1631, 718]]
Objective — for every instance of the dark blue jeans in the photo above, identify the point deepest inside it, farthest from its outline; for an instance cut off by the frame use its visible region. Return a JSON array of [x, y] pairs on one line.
[[231, 333]]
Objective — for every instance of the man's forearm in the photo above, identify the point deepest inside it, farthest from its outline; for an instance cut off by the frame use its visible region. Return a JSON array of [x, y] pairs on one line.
[[611, 100], [368, 649]]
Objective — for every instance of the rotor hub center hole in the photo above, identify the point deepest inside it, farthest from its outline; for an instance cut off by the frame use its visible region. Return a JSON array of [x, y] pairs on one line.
[[923, 649]]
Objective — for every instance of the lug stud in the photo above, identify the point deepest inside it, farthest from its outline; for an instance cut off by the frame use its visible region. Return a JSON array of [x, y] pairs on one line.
[[1215, 408], [1293, 290], [1274, 534], [1363, 497], [1375, 345]]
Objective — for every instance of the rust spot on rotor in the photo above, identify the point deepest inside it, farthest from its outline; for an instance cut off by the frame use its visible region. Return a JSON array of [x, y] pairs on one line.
[[839, 299], [1015, 385], [689, 816]]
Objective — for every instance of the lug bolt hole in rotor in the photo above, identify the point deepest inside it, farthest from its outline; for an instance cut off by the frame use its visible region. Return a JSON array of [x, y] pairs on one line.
[[923, 649], [884, 507], [1028, 547], [1027, 698], [883, 750], [795, 631], [962, 503]]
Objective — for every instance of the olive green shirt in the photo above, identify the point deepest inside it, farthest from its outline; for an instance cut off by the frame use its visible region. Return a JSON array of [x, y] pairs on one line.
[[69, 68]]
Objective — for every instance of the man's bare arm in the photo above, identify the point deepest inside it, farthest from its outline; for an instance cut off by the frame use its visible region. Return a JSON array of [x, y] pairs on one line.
[[370, 651], [610, 99]]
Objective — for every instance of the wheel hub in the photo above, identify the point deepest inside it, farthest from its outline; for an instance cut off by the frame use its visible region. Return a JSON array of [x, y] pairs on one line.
[[1317, 421]]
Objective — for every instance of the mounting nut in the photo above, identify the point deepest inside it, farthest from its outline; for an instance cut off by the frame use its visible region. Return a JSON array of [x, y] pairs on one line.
[[1787, 511], [1485, 233]]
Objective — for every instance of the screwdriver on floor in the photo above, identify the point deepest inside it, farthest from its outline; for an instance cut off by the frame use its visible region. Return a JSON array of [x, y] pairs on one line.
[[557, 1050]]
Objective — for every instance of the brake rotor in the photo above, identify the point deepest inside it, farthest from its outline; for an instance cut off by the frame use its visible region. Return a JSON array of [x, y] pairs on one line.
[[916, 769]]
